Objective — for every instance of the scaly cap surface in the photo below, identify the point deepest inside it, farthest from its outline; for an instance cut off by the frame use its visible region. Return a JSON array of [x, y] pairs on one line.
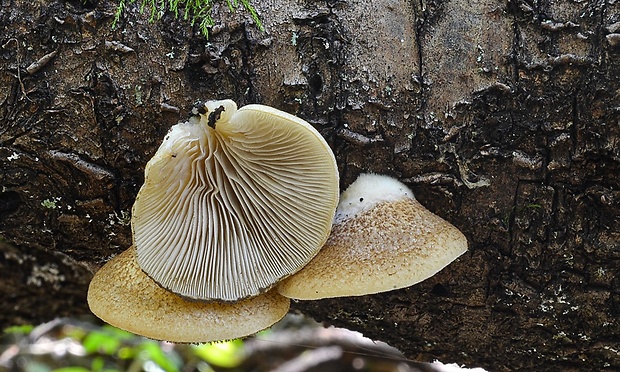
[[121, 294], [383, 240]]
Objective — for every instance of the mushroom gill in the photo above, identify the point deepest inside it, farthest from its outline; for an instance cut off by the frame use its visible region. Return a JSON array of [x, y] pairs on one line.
[[233, 201]]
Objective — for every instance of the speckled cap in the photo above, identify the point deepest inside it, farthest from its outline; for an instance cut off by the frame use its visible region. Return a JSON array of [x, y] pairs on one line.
[[382, 239], [121, 294]]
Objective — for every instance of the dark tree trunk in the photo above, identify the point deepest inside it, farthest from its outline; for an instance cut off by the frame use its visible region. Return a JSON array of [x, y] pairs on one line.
[[504, 118]]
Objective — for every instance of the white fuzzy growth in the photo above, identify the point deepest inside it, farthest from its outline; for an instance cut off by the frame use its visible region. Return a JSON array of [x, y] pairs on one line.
[[367, 191], [180, 133]]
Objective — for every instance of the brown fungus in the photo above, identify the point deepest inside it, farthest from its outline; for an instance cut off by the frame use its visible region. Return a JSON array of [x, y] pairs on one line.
[[123, 295], [382, 239]]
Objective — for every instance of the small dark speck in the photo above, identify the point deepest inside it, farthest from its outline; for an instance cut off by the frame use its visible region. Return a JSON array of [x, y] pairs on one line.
[[167, 138], [214, 116], [174, 155], [361, 199], [440, 290]]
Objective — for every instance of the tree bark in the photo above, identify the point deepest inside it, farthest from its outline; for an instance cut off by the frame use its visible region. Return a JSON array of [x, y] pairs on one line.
[[503, 117]]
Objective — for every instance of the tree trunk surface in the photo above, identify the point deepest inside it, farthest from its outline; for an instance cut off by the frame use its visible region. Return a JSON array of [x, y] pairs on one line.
[[503, 117]]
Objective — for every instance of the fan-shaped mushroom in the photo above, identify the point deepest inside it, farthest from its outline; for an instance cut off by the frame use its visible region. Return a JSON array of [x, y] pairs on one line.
[[382, 239], [123, 295], [233, 201]]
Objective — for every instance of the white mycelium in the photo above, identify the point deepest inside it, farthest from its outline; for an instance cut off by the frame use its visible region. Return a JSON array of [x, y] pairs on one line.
[[367, 191]]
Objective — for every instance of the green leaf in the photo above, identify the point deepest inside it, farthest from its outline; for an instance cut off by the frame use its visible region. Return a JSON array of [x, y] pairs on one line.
[[152, 351], [97, 364], [126, 353], [107, 341], [99, 342], [71, 369], [227, 354], [19, 329]]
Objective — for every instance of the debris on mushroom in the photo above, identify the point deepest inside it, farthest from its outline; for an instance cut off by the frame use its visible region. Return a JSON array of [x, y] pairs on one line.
[[382, 239], [123, 295], [233, 201]]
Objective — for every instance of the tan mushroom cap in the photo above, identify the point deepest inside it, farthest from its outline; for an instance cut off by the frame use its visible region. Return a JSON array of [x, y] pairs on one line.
[[233, 201], [121, 294], [382, 239]]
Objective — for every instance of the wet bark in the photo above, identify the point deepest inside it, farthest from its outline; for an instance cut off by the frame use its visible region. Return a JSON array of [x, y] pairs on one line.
[[503, 117]]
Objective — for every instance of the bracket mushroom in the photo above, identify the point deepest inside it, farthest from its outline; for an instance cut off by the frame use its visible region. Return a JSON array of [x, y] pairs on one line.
[[233, 201], [123, 295], [382, 239]]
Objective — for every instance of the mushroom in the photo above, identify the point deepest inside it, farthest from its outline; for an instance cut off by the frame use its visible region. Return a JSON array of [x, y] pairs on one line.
[[382, 239], [233, 201], [123, 295]]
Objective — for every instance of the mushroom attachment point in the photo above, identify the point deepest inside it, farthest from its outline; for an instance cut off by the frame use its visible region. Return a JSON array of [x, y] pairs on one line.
[[121, 294], [234, 201], [382, 239]]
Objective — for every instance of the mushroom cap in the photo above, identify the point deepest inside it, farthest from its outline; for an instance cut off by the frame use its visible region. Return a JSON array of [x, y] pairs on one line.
[[383, 240], [233, 201], [121, 294]]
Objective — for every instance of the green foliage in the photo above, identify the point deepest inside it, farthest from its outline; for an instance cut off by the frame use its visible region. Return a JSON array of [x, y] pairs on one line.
[[72, 345], [107, 340], [88, 348], [109, 349], [222, 354], [72, 369], [196, 11], [152, 351], [126, 346], [19, 329]]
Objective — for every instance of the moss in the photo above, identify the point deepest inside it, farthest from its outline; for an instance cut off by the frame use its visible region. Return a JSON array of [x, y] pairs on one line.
[[51, 203], [195, 11]]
